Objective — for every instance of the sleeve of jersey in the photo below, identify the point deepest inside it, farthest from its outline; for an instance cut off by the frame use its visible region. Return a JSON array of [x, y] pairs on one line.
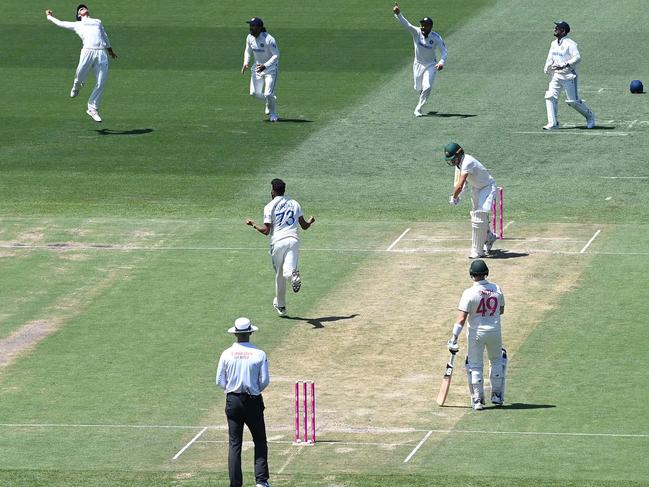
[[247, 53], [442, 49], [61, 23], [272, 47], [502, 296], [268, 218], [264, 375], [574, 54], [407, 25], [464, 302], [220, 373], [104, 36]]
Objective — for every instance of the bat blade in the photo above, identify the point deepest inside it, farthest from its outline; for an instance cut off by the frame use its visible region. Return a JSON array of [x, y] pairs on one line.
[[456, 177], [446, 381]]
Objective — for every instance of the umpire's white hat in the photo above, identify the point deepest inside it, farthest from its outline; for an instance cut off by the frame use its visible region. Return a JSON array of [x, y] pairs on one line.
[[242, 325]]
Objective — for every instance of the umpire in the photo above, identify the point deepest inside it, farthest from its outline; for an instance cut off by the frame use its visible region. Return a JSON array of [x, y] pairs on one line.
[[243, 374]]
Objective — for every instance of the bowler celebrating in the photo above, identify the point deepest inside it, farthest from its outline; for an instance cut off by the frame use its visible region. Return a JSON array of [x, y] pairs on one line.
[[96, 46]]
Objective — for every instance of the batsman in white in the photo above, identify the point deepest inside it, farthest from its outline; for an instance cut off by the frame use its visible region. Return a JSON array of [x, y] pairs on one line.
[[263, 76], [561, 67], [426, 64], [483, 192], [281, 218], [94, 55], [480, 307]]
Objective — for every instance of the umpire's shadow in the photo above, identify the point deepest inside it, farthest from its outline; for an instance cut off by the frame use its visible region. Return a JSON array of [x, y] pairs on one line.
[[449, 115], [514, 405], [124, 132], [318, 322]]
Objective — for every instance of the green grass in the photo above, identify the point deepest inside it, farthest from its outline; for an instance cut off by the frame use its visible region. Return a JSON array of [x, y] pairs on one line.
[[184, 156]]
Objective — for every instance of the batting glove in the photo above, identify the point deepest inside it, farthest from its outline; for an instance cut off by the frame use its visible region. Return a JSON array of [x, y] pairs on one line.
[[454, 201], [453, 346]]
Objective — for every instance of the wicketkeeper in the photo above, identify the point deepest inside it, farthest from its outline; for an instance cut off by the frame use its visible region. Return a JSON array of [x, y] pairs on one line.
[[481, 306]]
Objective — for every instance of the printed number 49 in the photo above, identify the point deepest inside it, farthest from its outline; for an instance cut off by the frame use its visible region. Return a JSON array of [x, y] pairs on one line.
[[489, 305]]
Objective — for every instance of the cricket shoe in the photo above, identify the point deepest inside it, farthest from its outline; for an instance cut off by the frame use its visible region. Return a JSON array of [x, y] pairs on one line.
[[491, 238], [551, 127], [477, 255], [296, 281], [273, 118], [478, 405], [281, 310], [266, 110], [496, 399], [418, 113], [74, 91], [94, 114], [263, 484], [590, 120]]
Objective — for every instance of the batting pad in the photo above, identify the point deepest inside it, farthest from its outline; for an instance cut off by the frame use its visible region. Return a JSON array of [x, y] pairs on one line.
[[479, 229]]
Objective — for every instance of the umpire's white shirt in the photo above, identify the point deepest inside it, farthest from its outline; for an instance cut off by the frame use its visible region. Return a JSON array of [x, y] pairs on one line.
[[243, 368], [482, 302], [562, 51], [264, 48], [283, 214], [91, 31], [477, 174], [425, 47]]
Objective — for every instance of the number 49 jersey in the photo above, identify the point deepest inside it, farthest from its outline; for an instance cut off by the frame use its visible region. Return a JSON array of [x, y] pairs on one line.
[[482, 302], [283, 214]]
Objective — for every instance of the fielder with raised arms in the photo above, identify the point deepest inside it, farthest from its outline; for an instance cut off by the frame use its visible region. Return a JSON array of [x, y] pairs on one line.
[[483, 192], [94, 55], [426, 63], [480, 307], [560, 65]]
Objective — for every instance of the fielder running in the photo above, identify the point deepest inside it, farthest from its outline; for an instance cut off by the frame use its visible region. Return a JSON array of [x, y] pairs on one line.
[[483, 192], [264, 75], [281, 218], [94, 55], [561, 67], [426, 64], [481, 306]]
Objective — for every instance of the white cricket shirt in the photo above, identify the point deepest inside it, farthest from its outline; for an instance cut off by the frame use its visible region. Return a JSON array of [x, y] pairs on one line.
[[425, 47], [477, 174], [264, 48], [283, 214], [243, 368], [91, 31], [482, 302], [562, 52]]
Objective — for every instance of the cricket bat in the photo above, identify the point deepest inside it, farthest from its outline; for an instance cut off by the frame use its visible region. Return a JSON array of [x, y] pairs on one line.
[[446, 381], [456, 178]]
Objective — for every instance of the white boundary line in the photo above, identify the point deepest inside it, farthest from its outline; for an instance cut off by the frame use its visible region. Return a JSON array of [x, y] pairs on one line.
[[590, 241], [190, 443], [398, 239], [412, 453], [581, 132]]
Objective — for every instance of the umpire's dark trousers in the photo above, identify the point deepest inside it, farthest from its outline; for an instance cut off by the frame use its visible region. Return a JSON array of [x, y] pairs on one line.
[[245, 409]]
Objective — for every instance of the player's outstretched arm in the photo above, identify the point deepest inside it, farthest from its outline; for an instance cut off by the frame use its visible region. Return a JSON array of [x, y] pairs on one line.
[[305, 224], [265, 230]]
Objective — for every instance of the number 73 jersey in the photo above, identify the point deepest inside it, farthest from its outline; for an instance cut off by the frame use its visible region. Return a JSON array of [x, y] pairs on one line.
[[482, 302], [283, 213]]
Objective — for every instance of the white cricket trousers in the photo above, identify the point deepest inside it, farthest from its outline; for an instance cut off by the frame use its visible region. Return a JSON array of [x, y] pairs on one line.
[[262, 86], [96, 59], [572, 98], [284, 255], [482, 198], [424, 77], [477, 342]]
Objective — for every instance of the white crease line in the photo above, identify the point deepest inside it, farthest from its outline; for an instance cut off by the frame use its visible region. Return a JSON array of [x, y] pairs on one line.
[[397, 240], [590, 241], [321, 442], [507, 226], [624, 177], [190, 443], [581, 132], [412, 453]]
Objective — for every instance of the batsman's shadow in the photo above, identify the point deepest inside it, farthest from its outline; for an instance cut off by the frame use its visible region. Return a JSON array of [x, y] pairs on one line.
[[521, 405], [124, 132], [318, 322], [291, 120], [450, 115], [506, 254]]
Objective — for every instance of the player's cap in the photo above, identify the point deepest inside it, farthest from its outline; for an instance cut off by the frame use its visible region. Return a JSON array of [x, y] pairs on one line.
[[426, 20], [450, 150], [478, 268], [242, 325], [77, 11], [255, 21], [636, 86], [563, 25]]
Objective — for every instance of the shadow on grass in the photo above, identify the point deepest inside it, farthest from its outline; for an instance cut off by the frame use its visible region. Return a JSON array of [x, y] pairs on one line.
[[506, 254], [449, 115], [124, 132], [515, 405], [291, 120], [318, 322]]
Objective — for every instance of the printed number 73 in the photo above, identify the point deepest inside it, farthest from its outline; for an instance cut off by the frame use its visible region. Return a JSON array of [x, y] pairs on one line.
[[290, 219], [488, 305]]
